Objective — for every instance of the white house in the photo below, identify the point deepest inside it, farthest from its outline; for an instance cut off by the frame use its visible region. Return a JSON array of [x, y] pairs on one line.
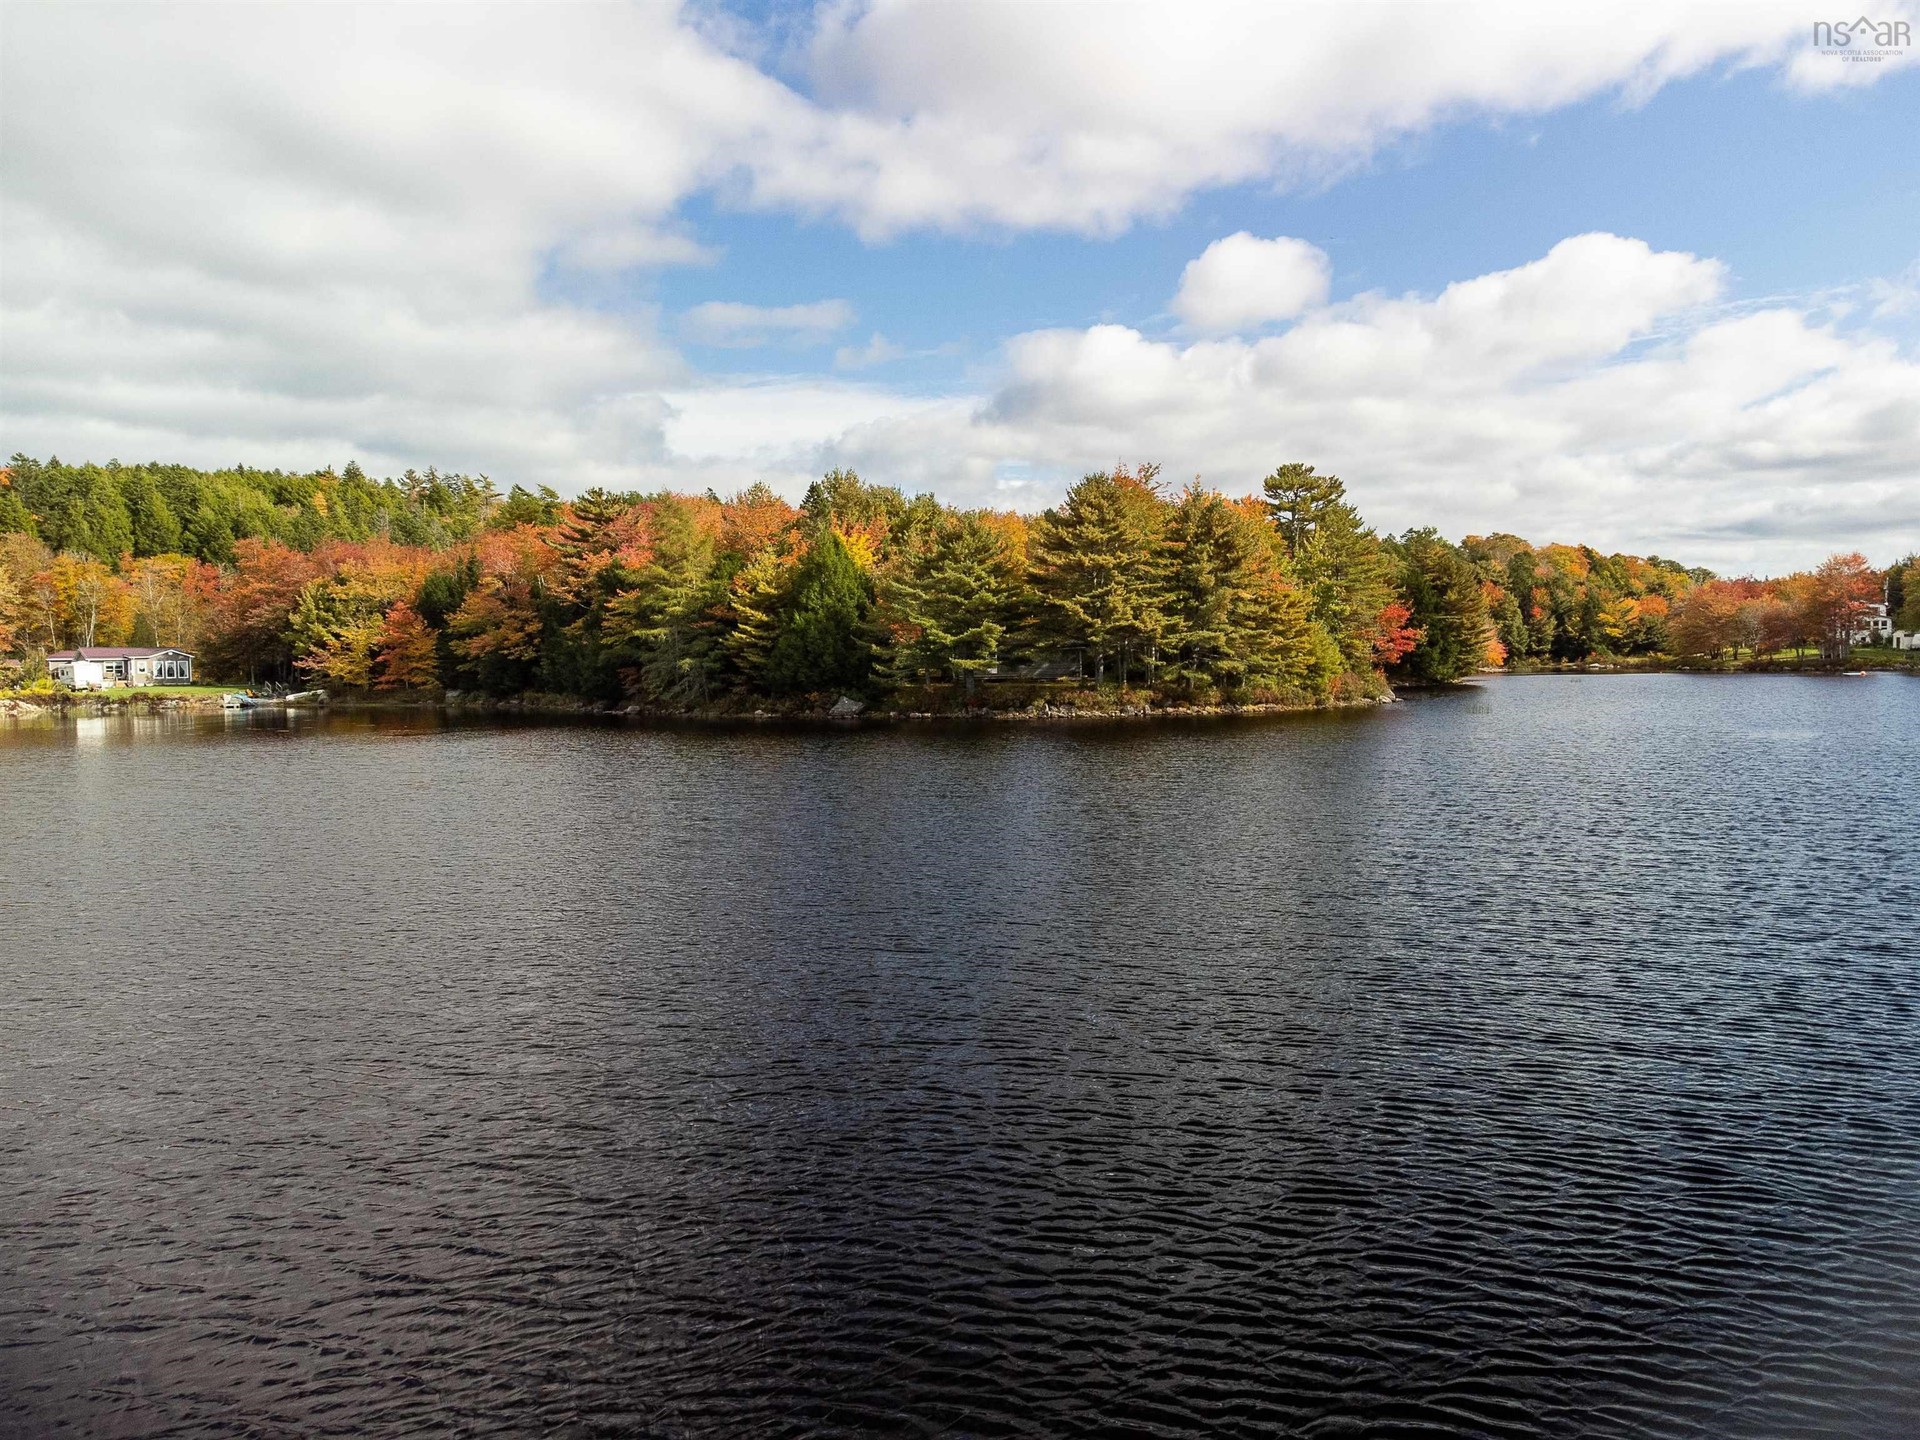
[[95, 667], [1874, 627]]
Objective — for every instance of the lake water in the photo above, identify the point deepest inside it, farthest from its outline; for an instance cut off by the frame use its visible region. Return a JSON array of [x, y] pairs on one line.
[[1542, 1059]]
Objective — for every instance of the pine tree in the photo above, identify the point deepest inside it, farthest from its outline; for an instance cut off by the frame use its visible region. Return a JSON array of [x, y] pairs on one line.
[[1448, 606], [1341, 564], [14, 515], [1299, 501], [152, 525], [824, 639], [668, 619], [755, 597], [949, 602], [1208, 576], [1098, 565], [597, 545], [1237, 620]]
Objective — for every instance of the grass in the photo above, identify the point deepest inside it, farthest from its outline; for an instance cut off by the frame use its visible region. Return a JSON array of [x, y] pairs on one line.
[[174, 690], [121, 693]]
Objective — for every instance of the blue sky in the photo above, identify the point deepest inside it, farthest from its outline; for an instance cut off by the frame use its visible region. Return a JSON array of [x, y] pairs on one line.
[[1640, 274], [1798, 193]]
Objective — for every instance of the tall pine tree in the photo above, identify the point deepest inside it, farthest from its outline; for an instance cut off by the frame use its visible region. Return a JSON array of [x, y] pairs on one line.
[[949, 604], [1099, 567]]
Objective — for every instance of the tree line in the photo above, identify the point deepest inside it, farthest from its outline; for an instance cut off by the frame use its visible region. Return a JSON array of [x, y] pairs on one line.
[[436, 582]]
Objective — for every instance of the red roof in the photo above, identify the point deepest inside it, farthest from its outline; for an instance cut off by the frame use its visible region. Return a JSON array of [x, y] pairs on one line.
[[119, 652]]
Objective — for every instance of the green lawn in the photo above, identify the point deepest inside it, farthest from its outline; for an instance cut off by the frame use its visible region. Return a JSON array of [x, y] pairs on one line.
[[126, 692], [175, 690]]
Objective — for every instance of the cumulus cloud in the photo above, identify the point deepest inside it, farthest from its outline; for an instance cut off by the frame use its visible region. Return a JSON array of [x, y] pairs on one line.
[[1003, 112], [1243, 282], [782, 427], [877, 351], [297, 233], [1598, 393], [730, 323]]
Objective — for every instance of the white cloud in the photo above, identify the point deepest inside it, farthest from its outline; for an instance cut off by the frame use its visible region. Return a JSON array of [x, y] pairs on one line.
[[618, 246], [305, 232], [1592, 395], [1003, 112], [877, 351], [730, 323], [780, 429], [1243, 282]]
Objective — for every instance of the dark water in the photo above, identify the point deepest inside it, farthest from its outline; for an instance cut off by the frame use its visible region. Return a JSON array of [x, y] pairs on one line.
[[1543, 1060]]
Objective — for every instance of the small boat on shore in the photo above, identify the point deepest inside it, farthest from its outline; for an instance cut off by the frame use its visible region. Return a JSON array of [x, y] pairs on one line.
[[239, 701]]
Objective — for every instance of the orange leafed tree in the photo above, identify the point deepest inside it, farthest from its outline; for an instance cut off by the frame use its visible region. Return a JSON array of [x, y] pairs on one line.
[[1843, 587], [404, 657], [756, 519], [247, 630], [498, 621]]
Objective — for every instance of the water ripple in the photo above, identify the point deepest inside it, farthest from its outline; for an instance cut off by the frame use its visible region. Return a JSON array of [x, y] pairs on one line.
[[1540, 1065]]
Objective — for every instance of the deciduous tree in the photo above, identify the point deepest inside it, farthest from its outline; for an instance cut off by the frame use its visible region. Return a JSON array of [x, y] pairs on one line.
[[405, 653]]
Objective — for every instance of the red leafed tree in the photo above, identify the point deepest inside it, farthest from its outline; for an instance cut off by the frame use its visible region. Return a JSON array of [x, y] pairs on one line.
[[1394, 638], [404, 657]]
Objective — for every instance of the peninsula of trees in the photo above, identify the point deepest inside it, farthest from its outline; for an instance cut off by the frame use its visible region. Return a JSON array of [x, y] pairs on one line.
[[432, 582]]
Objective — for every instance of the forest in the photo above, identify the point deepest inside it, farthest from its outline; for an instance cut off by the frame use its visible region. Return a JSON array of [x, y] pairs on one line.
[[432, 583]]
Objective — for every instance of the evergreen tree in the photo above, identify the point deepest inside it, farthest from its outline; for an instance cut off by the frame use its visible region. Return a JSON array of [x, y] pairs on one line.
[[15, 518], [1340, 563], [1299, 501], [668, 619], [1098, 565], [600, 533], [1237, 620], [1448, 607], [949, 603], [841, 499], [526, 507], [823, 643], [756, 594]]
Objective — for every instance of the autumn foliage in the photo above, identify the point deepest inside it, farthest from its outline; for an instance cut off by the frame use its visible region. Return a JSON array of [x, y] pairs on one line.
[[431, 583]]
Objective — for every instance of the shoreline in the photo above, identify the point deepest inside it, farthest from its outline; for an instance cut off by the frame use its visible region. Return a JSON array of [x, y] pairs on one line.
[[1065, 707], [840, 713]]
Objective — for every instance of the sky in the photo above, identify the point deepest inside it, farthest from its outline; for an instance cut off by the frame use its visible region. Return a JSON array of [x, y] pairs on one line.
[[1639, 275]]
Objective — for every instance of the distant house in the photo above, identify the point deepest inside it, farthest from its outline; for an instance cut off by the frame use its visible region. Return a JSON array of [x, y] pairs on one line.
[[1875, 627], [94, 667]]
